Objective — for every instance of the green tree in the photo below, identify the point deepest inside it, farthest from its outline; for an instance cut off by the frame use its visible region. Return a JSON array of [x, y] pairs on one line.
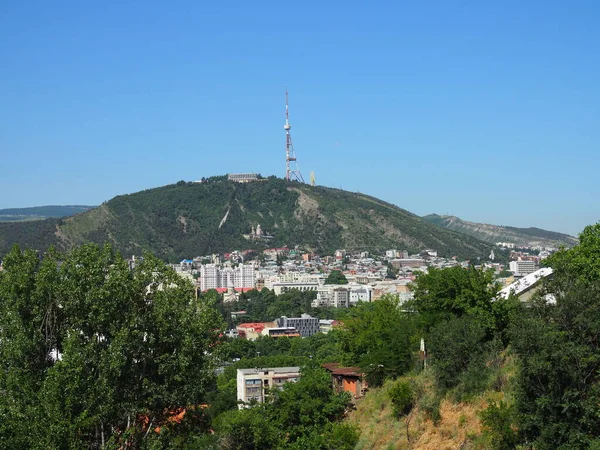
[[89, 347], [556, 339], [441, 294], [379, 337], [336, 277]]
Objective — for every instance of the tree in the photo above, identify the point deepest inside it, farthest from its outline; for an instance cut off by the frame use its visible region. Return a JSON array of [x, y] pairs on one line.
[[379, 337], [336, 277], [558, 382], [303, 415], [441, 294], [94, 353]]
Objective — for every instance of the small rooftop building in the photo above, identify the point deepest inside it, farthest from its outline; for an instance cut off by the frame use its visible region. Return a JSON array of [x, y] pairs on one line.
[[347, 379]]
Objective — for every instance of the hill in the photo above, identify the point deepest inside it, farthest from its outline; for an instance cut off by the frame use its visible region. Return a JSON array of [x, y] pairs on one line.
[[189, 219], [522, 237], [40, 212]]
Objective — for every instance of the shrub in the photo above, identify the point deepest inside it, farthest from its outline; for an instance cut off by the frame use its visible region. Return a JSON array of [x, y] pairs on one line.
[[402, 397], [498, 421]]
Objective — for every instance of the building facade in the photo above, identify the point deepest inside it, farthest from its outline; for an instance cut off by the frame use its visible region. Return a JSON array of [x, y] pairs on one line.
[[253, 384], [242, 177], [522, 268], [214, 277], [305, 324]]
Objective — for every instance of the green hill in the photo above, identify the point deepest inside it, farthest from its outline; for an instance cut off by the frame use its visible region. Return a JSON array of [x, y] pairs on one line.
[[523, 237], [40, 212], [190, 219]]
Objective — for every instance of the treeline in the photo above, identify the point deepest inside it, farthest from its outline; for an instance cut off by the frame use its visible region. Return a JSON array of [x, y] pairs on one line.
[[265, 306]]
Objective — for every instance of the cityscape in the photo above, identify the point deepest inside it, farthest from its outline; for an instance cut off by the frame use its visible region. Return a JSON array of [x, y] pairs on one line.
[[414, 264]]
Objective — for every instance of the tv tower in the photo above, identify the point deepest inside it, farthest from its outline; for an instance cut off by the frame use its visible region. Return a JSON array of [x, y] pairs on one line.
[[290, 154]]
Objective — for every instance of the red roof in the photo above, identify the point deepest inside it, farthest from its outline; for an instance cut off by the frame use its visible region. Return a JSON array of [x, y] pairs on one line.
[[335, 369], [257, 326], [223, 290]]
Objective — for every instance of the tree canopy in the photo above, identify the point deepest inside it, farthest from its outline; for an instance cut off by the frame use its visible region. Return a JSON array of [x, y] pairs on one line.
[[336, 277], [96, 354]]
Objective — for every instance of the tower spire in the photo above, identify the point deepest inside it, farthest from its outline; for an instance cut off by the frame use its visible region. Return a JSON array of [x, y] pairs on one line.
[[290, 154]]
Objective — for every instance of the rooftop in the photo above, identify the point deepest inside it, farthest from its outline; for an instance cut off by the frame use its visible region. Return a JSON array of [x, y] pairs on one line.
[[257, 370]]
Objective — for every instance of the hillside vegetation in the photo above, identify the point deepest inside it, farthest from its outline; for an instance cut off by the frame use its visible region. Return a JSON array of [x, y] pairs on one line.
[[190, 219], [522, 237]]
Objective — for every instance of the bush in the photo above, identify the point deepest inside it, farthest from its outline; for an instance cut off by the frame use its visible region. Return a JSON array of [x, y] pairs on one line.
[[430, 404], [402, 397], [498, 422]]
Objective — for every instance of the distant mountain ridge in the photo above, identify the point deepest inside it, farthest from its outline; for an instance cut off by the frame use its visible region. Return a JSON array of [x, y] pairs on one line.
[[41, 212], [523, 237], [190, 219]]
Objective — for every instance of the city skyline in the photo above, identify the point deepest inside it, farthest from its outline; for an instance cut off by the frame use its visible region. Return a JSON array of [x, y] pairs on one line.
[[487, 112]]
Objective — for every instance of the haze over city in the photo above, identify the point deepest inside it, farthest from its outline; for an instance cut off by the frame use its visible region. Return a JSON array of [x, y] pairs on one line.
[[486, 111]]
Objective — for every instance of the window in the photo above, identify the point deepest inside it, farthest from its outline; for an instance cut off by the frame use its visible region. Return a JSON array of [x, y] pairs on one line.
[[253, 391]]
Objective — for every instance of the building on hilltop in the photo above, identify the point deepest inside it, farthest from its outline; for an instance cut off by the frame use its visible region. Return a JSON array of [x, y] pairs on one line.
[[253, 384], [242, 177]]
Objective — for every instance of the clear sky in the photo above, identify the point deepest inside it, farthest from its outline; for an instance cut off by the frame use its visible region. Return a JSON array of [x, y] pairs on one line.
[[488, 110]]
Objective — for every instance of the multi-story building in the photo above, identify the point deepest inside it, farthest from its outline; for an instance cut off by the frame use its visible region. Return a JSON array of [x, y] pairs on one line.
[[408, 262], [253, 384], [522, 268], [305, 324], [214, 277], [244, 276], [209, 277], [282, 287], [333, 295]]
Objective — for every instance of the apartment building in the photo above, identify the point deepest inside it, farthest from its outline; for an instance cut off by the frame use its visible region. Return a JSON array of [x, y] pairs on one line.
[[522, 268], [253, 384], [305, 324], [214, 277], [281, 287], [333, 295]]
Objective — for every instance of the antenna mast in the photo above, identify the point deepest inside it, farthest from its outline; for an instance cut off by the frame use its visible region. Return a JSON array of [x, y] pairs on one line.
[[290, 154]]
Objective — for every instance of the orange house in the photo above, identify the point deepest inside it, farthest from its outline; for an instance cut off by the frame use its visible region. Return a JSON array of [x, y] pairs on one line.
[[347, 379]]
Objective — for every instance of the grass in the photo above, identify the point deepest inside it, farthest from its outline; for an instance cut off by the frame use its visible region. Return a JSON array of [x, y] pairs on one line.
[[458, 425]]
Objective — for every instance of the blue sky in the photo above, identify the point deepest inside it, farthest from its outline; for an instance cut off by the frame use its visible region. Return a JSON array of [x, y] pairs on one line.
[[485, 110]]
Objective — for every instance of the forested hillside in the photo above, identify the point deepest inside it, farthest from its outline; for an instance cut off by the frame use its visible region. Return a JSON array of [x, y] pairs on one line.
[[191, 219]]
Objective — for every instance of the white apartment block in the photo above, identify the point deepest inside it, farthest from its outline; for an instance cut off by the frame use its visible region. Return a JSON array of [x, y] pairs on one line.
[[281, 287], [213, 277], [252, 384], [522, 268], [298, 278], [342, 296], [209, 277]]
